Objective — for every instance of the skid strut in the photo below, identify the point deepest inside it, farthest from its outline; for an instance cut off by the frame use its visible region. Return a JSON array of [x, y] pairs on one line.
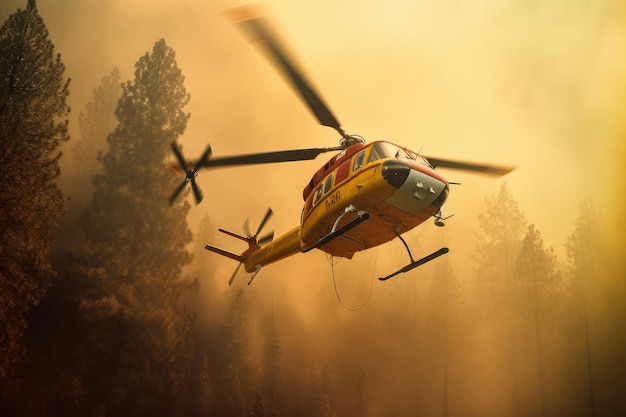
[[335, 233], [414, 264]]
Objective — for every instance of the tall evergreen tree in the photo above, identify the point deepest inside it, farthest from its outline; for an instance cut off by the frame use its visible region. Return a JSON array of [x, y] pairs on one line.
[[233, 368], [446, 319], [96, 122], [502, 231], [259, 406], [535, 306], [33, 124], [136, 250], [582, 249], [322, 392], [271, 359], [583, 245]]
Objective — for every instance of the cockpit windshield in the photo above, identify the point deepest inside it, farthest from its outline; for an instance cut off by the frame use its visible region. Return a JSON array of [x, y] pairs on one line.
[[389, 150]]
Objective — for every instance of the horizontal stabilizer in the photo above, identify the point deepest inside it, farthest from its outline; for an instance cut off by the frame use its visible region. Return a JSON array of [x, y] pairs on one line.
[[224, 253]]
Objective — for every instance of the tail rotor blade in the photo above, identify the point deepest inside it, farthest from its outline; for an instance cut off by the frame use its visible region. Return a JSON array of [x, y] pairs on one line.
[[196, 192], [177, 191], [268, 214], [190, 174], [204, 158], [265, 239], [246, 228], [179, 156], [232, 278]]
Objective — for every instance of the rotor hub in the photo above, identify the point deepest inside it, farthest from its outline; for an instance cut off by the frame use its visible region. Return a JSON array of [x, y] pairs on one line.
[[190, 175], [349, 140]]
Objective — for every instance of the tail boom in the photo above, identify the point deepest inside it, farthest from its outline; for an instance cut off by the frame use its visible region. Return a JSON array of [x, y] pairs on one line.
[[256, 256], [225, 253], [282, 247]]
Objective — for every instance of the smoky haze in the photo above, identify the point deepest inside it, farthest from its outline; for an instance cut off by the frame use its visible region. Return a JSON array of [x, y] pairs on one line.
[[539, 85]]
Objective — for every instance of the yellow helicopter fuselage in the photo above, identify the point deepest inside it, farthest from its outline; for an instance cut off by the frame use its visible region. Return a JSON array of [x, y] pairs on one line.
[[396, 187]]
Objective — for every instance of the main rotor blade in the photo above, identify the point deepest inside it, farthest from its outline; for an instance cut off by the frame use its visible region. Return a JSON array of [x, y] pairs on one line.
[[269, 157], [484, 169], [232, 277], [258, 28]]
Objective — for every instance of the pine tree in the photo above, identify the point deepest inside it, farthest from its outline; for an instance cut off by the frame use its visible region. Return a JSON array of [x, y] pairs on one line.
[[502, 226], [322, 392], [583, 247], [502, 231], [362, 394], [447, 301], [33, 124], [271, 358], [138, 354], [96, 122], [232, 367], [259, 406], [535, 310]]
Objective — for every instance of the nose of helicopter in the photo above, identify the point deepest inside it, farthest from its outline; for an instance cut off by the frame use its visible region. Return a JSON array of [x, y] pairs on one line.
[[395, 172], [418, 186]]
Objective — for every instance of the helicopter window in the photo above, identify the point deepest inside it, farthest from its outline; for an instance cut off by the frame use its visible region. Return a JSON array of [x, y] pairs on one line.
[[385, 149], [328, 183], [378, 152], [318, 194], [358, 161], [423, 161]]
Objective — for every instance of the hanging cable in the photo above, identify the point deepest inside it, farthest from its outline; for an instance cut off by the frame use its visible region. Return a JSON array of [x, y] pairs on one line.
[[331, 261]]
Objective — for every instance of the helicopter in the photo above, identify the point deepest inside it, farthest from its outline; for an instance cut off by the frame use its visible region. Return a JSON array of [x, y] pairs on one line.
[[366, 195]]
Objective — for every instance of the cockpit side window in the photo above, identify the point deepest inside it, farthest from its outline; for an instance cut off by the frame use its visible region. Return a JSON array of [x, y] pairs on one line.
[[358, 161]]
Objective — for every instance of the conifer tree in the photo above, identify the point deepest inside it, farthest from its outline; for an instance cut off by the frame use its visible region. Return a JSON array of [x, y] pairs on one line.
[[233, 367], [33, 124], [322, 392], [583, 245], [502, 231], [271, 358], [138, 356], [259, 406], [96, 122], [447, 314], [582, 249], [535, 305]]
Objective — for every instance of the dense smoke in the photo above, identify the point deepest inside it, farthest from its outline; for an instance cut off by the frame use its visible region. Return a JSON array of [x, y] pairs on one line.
[[540, 85]]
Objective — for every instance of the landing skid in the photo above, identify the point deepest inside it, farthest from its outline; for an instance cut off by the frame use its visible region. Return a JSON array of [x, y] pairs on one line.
[[335, 233], [414, 264]]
